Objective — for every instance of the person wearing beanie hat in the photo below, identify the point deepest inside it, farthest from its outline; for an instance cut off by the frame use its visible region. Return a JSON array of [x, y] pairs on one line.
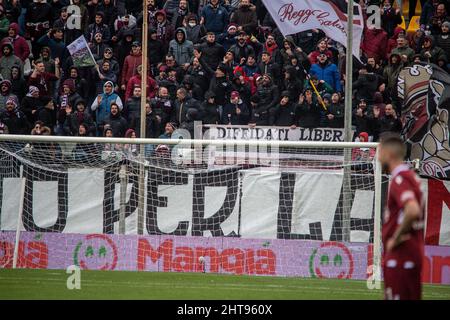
[[13, 118], [220, 85], [132, 61], [236, 112], [5, 93], [108, 55], [443, 39]]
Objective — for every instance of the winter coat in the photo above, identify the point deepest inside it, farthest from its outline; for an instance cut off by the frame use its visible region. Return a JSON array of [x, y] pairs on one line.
[[118, 124], [285, 115], [73, 122], [21, 48], [132, 108], [182, 51], [212, 54], [6, 63], [365, 86], [216, 20], [328, 73], [16, 121], [308, 115], [246, 18], [230, 116], [57, 48], [241, 51], [130, 67], [181, 109], [94, 28], [102, 105], [375, 43], [210, 113], [338, 111], [152, 86], [392, 42]]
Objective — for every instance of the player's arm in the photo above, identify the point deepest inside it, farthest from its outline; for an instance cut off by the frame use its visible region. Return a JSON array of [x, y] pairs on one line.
[[411, 213]]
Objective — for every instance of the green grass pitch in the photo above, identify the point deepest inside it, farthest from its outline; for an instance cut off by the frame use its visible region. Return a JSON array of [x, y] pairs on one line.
[[51, 284]]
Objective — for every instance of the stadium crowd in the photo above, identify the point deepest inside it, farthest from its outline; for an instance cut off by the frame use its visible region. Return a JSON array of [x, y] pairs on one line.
[[215, 61]]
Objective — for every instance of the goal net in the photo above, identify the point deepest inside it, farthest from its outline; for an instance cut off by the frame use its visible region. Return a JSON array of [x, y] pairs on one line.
[[239, 207]]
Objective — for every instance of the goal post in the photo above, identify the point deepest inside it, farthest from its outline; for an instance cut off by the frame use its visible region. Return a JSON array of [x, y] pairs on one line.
[[297, 206]]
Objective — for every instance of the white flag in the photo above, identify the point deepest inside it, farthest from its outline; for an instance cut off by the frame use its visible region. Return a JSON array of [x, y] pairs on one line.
[[293, 16], [81, 54]]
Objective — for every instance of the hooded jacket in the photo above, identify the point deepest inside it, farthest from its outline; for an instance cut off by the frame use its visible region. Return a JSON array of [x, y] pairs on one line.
[[102, 104], [164, 30], [4, 96], [328, 73], [285, 115], [18, 84], [195, 33], [435, 52], [118, 124], [375, 43], [183, 51], [7, 62], [391, 71], [132, 61], [15, 120], [21, 48]]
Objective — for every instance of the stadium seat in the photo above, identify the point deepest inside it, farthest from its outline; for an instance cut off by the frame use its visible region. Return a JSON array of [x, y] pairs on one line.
[[403, 24], [414, 25]]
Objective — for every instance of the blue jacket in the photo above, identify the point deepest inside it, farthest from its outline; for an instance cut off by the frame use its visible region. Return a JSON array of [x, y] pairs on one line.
[[330, 74], [102, 105], [216, 20], [57, 48]]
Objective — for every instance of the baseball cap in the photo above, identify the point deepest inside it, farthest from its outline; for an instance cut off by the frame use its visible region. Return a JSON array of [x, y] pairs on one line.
[[136, 44]]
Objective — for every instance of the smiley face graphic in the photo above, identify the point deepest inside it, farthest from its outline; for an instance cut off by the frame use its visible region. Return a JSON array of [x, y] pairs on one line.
[[331, 260], [96, 252]]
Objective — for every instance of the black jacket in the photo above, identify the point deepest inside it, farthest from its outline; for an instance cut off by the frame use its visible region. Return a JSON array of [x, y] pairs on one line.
[[308, 115], [285, 115]]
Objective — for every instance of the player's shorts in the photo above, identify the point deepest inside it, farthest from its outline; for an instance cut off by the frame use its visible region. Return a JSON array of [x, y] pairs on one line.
[[402, 279]]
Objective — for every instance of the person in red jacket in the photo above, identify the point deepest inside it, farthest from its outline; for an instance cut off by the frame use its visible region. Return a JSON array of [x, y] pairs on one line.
[[375, 43], [134, 81], [21, 48], [132, 61], [392, 42]]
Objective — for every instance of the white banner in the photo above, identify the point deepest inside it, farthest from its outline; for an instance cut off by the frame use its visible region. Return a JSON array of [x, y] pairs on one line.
[[235, 132], [252, 204], [327, 15]]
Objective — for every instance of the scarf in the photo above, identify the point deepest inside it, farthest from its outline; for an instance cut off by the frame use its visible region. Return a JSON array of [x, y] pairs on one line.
[[161, 30]]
